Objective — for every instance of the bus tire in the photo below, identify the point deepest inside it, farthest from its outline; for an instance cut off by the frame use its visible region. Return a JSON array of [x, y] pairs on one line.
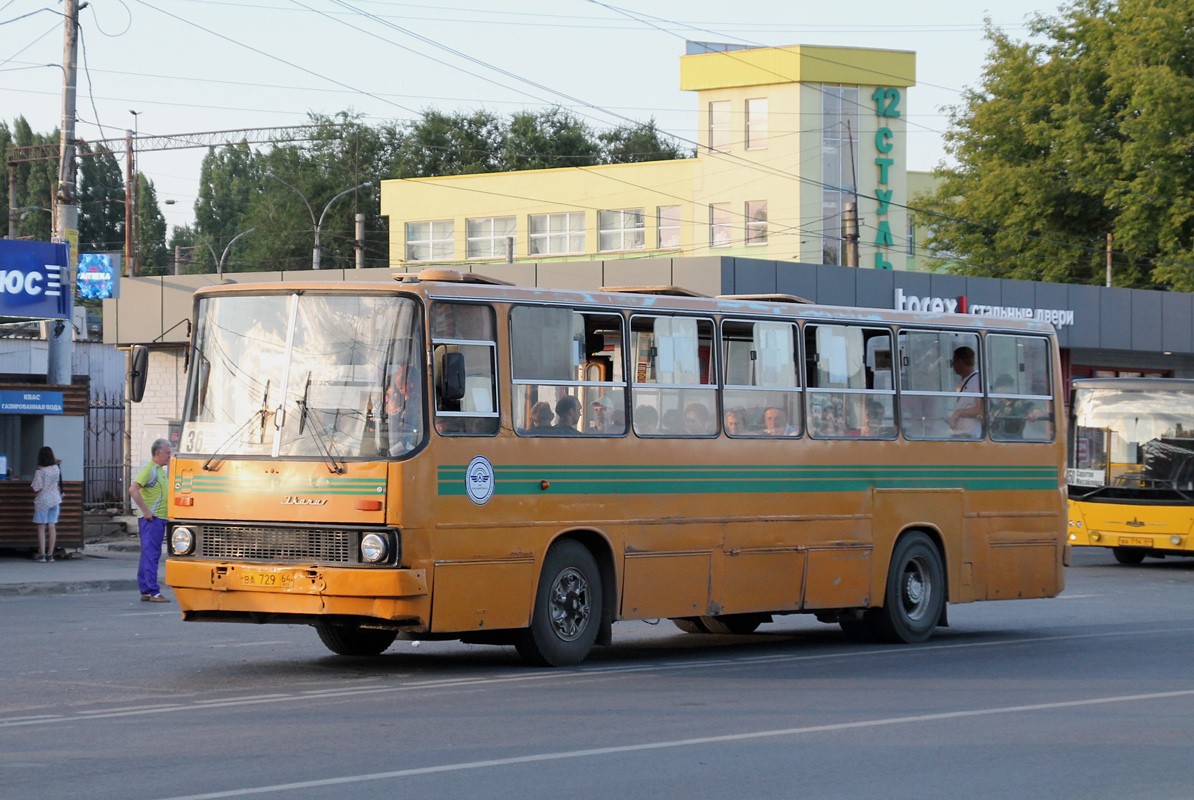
[[1128, 555], [690, 624], [568, 607], [915, 593], [732, 624], [347, 640]]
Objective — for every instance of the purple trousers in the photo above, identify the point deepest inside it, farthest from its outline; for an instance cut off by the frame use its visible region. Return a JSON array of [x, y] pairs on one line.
[[153, 532]]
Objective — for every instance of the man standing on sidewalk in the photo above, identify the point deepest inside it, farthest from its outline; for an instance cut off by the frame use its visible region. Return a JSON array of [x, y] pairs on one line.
[[149, 496]]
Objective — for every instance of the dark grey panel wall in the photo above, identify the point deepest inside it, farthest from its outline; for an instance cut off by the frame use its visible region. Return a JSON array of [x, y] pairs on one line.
[[875, 289], [1146, 321], [1115, 310], [835, 286], [1176, 321], [797, 279], [1084, 301], [752, 276]]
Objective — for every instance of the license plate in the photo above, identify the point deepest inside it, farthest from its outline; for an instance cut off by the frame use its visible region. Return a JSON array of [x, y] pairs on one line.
[[268, 579], [1129, 541]]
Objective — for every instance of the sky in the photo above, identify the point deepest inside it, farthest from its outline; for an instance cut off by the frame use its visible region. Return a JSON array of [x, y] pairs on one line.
[[187, 66]]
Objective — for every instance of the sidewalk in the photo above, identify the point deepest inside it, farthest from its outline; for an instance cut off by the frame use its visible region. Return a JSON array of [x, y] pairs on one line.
[[107, 563]]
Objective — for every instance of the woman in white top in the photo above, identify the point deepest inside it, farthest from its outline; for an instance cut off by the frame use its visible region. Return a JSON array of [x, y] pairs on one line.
[[47, 482]]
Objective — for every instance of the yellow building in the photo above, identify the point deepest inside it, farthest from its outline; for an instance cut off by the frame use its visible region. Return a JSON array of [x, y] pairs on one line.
[[788, 136]]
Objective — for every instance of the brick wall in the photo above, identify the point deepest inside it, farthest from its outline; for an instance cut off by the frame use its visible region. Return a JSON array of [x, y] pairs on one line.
[[161, 404]]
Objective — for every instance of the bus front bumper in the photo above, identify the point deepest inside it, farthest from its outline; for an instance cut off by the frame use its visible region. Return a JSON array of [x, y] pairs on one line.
[[295, 592]]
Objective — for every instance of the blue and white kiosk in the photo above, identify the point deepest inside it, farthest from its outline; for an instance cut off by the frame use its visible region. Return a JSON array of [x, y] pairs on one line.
[[35, 285]]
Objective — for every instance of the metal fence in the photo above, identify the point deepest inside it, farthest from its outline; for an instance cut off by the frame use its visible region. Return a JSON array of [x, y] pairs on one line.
[[103, 453]]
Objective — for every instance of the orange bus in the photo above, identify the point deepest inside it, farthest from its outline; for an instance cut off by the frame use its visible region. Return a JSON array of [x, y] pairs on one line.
[[449, 456]]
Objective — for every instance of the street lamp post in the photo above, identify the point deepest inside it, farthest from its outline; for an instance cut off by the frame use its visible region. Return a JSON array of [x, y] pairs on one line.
[[315, 256], [219, 262]]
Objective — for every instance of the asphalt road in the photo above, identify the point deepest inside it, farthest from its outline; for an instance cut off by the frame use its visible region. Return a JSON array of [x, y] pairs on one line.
[[1086, 696]]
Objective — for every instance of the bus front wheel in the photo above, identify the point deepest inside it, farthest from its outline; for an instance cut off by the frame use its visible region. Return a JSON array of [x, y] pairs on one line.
[[347, 640], [567, 611], [915, 594], [1128, 555]]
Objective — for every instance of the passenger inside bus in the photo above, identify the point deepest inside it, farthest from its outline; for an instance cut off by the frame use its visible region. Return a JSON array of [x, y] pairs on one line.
[[736, 422], [567, 414], [541, 417], [776, 421]]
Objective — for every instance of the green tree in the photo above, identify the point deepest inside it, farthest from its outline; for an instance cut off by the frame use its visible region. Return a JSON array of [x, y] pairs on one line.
[[1081, 131], [448, 144], [150, 246], [101, 202], [632, 143], [35, 183], [547, 138], [229, 178]]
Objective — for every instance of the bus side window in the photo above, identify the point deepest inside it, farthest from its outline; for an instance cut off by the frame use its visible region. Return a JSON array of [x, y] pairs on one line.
[[464, 360], [566, 372], [850, 387], [762, 384], [936, 400], [1017, 376], [674, 373]]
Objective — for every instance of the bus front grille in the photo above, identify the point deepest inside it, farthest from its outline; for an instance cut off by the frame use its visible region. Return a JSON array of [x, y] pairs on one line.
[[248, 543]]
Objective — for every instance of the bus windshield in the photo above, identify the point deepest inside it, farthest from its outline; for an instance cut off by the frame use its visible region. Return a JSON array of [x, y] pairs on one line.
[[333, 377], [1133, 441]]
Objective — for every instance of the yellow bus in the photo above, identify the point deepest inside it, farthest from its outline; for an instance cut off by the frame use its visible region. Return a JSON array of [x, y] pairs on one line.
[[1131, 466], [449, 456]]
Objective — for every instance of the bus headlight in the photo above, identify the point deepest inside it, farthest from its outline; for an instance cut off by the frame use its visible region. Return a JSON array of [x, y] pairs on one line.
[[1094, 536], [1175, 540], [374, 548], [182, 540]]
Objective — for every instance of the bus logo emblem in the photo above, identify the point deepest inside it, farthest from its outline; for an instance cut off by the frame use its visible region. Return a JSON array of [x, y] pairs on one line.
[[1135, 523], [478, 480]]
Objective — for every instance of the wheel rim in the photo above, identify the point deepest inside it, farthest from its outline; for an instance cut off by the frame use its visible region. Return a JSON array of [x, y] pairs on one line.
[[916, 589], [570, 604]]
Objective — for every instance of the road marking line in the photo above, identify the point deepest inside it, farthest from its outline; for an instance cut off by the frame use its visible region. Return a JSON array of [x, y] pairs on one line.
[[704, 740], [583, 673]]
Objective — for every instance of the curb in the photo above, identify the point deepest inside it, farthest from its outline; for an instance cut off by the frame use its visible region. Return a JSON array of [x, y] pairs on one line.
[[68, 587]]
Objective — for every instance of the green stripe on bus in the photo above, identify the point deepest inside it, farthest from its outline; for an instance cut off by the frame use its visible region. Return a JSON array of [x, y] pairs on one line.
[[588, 480]]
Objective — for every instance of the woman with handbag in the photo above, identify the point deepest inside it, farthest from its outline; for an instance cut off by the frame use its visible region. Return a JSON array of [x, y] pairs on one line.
[[47, 482]]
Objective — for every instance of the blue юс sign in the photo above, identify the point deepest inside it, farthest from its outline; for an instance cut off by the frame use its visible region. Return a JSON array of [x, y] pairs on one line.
[[27, 402], [31, 280]]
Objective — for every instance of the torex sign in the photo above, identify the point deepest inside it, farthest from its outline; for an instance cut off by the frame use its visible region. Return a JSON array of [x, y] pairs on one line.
[[1058, 317], [31, 280]]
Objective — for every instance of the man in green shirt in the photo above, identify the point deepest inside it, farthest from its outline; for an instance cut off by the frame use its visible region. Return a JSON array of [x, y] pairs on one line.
[[149, 498]]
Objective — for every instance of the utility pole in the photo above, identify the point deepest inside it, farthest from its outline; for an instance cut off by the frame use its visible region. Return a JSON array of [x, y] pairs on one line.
[[128, 204], [1110, 239], [850, 237], [360, 240], [12, 199], [66, 218]]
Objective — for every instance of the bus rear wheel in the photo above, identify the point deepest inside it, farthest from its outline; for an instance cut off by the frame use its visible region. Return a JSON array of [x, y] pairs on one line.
[[348, 640], [915, 593], [1128, 555], [732, 624], [690, 624], [568, 608]]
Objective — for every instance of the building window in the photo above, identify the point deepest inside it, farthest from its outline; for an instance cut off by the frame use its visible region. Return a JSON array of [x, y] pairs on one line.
[[911, 237], [431, 241], [621, 230], [486, 237], [756, 222], [556, 234], [669, 227], [839, 164], [719, 126], [719, 225], [756, 124]]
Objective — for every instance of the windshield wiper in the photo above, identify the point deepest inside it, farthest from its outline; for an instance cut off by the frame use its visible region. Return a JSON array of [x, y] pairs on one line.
[[317, 428], [263, 413]]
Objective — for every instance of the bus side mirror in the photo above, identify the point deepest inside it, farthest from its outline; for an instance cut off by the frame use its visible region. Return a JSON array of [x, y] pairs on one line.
[[138, 372], [453, 385]]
